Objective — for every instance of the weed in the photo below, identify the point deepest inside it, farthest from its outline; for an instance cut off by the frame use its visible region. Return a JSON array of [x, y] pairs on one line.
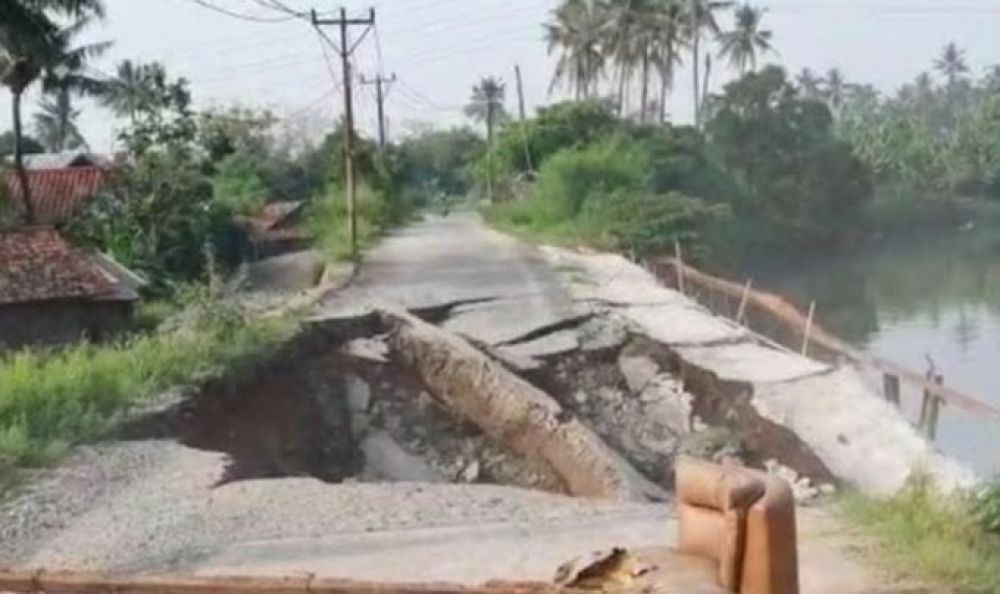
[[930, 535]]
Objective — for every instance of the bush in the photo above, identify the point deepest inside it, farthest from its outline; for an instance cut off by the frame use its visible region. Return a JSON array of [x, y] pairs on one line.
[[326, 219], [51, 399], [600, 195], [575, 175]]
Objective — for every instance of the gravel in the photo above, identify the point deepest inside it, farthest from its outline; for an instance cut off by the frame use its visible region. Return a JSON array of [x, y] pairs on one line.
[[155, 506]]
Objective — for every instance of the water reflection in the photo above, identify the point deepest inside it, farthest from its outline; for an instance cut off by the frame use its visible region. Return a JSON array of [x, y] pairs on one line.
[[936, 297]]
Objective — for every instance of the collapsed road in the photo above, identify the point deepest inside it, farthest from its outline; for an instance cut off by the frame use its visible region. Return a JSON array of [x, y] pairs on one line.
[[536, 399]]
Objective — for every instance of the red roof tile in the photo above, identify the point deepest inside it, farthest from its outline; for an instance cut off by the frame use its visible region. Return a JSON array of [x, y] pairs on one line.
[[36, 264], [57, 194]]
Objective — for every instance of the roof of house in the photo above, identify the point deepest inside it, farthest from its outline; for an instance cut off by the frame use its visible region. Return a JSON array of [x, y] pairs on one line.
[[37, 264], [57, 194]]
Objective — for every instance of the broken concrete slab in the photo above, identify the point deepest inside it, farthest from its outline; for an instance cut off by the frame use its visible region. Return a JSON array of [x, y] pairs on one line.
[[751, 362], [387, 460], [608, 278], [680, 324], [558, 343], [511, 410], [638, 371], [510, 320], [845, 421]]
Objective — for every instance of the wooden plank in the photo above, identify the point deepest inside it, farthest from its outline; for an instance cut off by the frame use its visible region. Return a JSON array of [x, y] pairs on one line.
[[36, 581]]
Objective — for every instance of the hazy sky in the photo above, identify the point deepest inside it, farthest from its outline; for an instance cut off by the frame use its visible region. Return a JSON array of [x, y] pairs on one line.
[[438, 48]]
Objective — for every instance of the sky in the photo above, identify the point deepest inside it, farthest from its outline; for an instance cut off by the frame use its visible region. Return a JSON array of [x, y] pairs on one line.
[[439, 48]]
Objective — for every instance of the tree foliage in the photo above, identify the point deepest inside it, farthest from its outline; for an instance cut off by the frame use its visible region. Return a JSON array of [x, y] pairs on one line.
[[797, 178]]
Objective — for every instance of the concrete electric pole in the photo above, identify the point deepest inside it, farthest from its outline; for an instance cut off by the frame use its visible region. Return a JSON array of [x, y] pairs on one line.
[[382, 87], [345, 50]]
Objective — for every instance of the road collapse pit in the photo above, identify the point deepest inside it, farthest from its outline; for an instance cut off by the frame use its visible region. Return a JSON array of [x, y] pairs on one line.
[[651, 406], [336, 406]]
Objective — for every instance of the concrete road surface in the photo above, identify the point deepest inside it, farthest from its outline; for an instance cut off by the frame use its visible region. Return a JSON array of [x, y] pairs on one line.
[[505, 289]]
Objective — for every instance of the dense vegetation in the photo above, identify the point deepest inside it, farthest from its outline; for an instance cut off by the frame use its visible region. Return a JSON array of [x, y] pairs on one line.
[[768, 171]]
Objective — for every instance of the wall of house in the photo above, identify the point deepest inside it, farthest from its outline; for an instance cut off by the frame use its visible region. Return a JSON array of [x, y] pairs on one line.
[[62, 321]]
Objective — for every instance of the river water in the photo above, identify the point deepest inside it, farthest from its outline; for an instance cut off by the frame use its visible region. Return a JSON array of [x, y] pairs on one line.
[[936, 299]]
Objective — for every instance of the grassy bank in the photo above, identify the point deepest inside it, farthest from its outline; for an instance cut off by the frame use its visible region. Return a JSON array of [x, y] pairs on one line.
[[51, 399], [954, 541]]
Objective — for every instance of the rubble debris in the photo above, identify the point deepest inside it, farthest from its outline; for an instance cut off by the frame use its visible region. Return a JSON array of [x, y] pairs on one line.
[[508, 408]]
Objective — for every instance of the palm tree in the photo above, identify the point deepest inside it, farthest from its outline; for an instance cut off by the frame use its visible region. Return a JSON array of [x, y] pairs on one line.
[[32, 44], [702, 17], [132, 87], [576, 33], [809, 83], [741, 44], [487, 106], [67, 76], [55, 123], [952, 63], [673, 34], [835, 88]]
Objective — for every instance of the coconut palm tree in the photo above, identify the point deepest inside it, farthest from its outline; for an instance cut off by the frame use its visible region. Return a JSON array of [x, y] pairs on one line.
[[576, 32], [673, 35], [487, 105], [132, 87], [952, 64], [67, 75], [702, 16], [742, 44], [835, 88], [809, 83], [55, 123], [32, 44]]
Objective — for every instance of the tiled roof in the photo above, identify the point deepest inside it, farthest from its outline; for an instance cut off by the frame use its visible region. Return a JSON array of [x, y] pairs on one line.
[[57, 194], [36, 264]]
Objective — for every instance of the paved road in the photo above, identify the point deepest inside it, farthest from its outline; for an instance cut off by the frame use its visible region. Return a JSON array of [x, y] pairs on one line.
[[457, 259]]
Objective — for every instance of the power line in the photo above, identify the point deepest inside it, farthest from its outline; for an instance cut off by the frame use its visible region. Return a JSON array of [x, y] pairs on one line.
[[241, 16]]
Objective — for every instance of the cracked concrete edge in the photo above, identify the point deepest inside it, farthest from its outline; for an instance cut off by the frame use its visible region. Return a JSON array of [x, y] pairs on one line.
[[513, 411]]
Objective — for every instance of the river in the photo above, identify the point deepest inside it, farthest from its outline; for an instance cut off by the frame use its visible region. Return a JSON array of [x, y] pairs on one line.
[[915, 301]]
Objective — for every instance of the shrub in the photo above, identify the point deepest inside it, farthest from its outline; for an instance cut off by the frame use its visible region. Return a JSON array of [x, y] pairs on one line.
[[572, 176], [326, 219], [931, 535], [987, 508]]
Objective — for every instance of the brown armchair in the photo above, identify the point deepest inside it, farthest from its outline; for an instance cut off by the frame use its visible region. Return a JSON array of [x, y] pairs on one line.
[[737, 534]]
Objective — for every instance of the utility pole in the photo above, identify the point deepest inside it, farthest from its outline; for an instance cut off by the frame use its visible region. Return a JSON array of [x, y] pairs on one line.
[[520, 91], [345, 51], [521, 110], [382, 87]]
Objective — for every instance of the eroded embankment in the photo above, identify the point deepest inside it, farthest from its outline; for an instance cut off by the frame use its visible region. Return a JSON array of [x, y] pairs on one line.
[[389, 396]]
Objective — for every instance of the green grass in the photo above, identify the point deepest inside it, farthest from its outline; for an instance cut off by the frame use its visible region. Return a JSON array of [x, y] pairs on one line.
[[932, 537], [52, 399]]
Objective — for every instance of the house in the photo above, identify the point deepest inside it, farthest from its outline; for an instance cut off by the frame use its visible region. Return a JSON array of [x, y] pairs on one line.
[[56, 194], [52, 293], [278, 229]]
